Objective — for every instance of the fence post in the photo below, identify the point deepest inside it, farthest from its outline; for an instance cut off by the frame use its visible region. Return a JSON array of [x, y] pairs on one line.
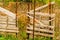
[[16, 13], [34, 19]]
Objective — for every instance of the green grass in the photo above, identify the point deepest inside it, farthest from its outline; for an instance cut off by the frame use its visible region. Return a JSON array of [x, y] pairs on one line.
[[8, 37], [41, 38]]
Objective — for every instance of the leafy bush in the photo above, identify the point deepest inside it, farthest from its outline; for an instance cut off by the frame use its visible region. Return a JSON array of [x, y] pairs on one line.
[[22, 23]]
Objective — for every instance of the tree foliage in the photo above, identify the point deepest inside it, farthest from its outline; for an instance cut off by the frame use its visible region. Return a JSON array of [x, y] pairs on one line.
[[43, 1]]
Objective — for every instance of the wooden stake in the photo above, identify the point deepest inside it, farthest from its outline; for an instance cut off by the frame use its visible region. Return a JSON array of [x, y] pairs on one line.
[[49, 11], [16, 13], [34, 20]]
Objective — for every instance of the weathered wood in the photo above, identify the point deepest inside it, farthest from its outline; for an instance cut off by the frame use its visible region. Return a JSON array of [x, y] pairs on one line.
[[12, 28], [11, 25], [43, 14], [13, 31], [39, 26], [41, 34], [42, 7], [7, 12], [39, 29]]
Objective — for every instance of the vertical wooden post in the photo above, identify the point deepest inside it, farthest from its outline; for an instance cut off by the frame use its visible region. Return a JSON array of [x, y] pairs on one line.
[[34, 20], [28, 18], [16, 13], [31, 5], [7, 25], [28, 7], [27, 36], [49, 11]]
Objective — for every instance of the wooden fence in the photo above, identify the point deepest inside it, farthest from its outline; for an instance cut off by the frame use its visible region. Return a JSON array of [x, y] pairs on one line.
[[42, 26], [7, 24]]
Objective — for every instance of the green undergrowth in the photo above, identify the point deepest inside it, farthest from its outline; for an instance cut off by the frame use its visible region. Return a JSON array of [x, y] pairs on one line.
[[41, 38], [8, 37], [11, 37]]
